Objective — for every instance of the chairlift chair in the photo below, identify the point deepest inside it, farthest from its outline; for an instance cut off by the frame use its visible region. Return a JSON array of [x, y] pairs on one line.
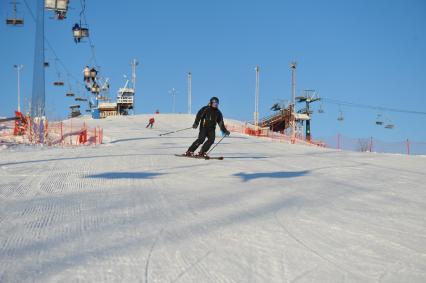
[[14, 20], [340, 118], [86, 73], [79, 32], [93, 73], [69, 94], [379, 120], [74, 106], [46, 64], [58, 83], [320, 109], [59, 7], [389, 125], [95, 89]]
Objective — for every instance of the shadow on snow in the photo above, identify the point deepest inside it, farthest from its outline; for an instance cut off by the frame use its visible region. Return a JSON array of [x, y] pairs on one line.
[[125, 175], [274, 175]]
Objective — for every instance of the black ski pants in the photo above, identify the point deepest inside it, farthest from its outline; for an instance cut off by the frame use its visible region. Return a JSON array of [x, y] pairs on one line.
[[210, 134]]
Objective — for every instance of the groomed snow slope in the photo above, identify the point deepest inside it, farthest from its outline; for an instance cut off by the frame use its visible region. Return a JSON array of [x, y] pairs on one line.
[[130, 211]]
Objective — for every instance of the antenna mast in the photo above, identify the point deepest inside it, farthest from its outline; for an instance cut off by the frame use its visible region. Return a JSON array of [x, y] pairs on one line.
[[256, 99], [134, 63], [293, 66], [189, 93]]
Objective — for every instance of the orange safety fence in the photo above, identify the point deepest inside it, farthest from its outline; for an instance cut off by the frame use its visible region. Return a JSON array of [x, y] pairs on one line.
[[73, 133], [62, 133], [370, 144], [250, 130]]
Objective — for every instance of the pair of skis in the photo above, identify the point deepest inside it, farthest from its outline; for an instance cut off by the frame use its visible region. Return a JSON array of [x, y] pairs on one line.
[[197, 156], [206, 157], [200, 157]]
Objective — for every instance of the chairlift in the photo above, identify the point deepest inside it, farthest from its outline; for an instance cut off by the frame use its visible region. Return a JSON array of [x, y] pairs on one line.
[[95, 88], [79, 32], [320, 109], [80, 99], [69, 94], [276, 107], [15, 20], [59, 7], [93, 74], [59, 82], [388, 123], [46, 64], [86, 74], [379, 120], [340, 118]]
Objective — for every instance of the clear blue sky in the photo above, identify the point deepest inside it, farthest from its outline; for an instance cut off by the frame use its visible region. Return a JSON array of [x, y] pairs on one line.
[[371, 52]]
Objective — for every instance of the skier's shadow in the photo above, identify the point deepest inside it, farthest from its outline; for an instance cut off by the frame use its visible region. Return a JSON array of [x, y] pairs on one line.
[[246, 157], [271, 175], [125, 175]]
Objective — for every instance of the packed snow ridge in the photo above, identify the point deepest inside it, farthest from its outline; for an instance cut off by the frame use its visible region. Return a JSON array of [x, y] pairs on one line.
[[130, 211]]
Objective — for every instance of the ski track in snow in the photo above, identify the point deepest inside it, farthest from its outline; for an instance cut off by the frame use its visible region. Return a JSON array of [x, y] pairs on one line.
[[130, 211]]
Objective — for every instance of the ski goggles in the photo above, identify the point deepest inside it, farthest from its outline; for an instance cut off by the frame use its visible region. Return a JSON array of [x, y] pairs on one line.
[[215, 103]]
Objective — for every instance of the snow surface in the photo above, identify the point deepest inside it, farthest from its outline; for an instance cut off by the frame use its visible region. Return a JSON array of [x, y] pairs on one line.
[[130, 211]]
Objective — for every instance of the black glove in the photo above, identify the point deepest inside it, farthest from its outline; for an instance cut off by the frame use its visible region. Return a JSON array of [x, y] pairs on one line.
[[227, 133], [194, 126]]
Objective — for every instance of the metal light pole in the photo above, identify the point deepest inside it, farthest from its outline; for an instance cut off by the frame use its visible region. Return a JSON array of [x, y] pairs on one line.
[[256, 99], [134, 63], [189, 93], [173, 93], [293, 66], [18, 69]]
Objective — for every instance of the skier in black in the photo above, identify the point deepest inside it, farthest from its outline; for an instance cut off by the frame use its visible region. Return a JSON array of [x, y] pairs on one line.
[[209, 116]]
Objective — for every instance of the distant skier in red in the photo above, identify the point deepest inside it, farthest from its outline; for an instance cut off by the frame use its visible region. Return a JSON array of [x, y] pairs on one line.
[[151, 122], [209, 116]]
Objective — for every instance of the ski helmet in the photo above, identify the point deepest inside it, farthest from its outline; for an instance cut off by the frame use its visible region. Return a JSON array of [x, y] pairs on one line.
[[214, 99]]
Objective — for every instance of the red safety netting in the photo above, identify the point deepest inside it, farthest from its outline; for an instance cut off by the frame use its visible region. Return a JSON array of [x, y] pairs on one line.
[[63, 133], [372, 144], [336, 142], [249, 129], [73, 133]]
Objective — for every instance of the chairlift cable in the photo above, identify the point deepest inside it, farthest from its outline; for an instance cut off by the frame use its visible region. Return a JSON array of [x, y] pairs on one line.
[[365, 106], [92, 46], [49, 45]]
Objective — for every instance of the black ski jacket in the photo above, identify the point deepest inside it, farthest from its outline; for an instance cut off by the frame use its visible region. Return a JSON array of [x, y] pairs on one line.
[[209, 117]]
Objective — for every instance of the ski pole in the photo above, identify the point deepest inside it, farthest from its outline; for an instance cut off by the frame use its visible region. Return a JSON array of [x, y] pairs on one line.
[[175, 131], [216, 145]]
